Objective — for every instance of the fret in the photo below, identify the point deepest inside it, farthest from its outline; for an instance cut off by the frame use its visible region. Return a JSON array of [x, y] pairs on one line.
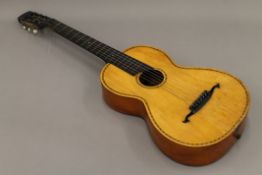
[[115, 57], [86, 41], [68, 32], [120, 61], [132, 64], [103, 48], [96, 46], [106, 54], [74, 35], [79, 39], [90, 44], [57, 24], [62, 28]]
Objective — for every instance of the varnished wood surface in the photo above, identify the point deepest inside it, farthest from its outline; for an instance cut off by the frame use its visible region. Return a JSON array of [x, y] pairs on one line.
[[211, 131]]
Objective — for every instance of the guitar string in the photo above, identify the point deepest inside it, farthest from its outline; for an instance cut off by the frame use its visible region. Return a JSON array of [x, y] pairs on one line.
[[100, 49], [168, 89], [90, 46], [153, 75], [113, 50], [104, 47], [98, 52]]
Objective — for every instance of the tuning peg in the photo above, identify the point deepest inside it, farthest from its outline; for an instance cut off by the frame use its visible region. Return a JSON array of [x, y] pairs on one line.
[[35, 31], [24, 27], [29, 29]]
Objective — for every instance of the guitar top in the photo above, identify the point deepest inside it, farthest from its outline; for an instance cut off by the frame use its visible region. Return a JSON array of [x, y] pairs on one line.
[[194, 115]]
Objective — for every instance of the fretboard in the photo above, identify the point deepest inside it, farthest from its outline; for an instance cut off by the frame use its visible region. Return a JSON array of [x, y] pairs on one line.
[[101, 50]]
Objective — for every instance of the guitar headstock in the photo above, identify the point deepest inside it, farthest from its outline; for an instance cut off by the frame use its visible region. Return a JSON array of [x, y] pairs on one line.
[[33, 22]]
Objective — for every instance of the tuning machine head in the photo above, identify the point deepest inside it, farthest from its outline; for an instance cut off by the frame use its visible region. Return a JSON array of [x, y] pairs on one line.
[[35, 31], [30, 29], [33, 22]]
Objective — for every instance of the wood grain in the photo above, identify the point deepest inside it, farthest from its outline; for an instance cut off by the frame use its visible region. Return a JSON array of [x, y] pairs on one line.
[[209, 134]]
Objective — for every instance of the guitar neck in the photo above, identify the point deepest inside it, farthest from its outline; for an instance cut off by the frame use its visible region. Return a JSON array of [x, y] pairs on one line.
[[101, 50]]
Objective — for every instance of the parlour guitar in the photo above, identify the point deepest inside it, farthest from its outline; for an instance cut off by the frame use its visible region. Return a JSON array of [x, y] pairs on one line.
[[194, 115]]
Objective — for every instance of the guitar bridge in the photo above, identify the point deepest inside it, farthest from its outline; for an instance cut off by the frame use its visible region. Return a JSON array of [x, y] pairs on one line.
[[200, 102]]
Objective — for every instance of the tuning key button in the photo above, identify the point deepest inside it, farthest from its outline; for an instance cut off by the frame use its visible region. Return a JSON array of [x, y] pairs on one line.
[[35, 31], [29, 29], [24, 27]]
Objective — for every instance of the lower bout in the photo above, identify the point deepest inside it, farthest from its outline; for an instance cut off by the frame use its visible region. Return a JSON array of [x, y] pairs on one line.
[[194, 156]]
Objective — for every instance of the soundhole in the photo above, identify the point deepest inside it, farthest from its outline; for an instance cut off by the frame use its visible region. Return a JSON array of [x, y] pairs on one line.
[[151, 78]]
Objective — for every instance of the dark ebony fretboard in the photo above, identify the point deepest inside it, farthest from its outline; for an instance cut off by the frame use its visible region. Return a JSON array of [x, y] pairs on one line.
[[103, 51]]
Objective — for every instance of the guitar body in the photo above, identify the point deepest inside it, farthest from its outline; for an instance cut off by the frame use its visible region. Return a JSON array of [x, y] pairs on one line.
[[211, 131]]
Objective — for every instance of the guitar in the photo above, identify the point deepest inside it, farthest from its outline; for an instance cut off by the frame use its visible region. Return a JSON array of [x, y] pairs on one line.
[[194, 115]]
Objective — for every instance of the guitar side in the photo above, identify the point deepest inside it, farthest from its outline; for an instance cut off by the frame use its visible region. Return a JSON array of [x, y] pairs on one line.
[[198, 142]]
